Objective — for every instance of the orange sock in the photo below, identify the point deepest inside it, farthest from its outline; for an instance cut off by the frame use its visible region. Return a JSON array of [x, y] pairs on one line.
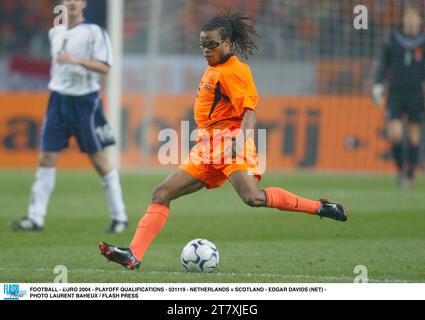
[[149, 227], [286, 201]]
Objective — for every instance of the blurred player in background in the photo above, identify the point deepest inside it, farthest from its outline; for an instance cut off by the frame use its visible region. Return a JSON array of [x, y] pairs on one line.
[[81, 55], [403, 65], [226, 101]]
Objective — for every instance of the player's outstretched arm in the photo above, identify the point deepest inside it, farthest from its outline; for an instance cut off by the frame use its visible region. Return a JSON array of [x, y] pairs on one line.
[[247, 127], [249, 120]]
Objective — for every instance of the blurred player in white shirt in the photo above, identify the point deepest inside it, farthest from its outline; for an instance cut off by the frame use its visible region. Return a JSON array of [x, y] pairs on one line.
[[81, 55]]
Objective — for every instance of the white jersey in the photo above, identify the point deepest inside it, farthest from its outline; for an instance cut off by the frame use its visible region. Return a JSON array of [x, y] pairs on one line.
[[86, 41]]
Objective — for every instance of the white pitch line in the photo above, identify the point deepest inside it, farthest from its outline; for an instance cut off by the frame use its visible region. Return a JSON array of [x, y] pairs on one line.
[[248, 275]]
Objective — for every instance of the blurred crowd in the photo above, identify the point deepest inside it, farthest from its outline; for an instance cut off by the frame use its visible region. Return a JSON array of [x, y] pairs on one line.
[[294, 28], [24, 25], [289, 28]]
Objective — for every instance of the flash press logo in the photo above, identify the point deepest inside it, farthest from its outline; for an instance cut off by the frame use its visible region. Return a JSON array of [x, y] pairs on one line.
[[12, 292]]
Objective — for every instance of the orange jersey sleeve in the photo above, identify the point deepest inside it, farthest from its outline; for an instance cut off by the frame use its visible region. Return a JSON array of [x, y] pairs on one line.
[[238, 84], [224, 92]]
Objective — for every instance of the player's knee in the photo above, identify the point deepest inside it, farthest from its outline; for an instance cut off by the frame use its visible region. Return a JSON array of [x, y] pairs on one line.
[[101, 163], [415, 139], [254, 200], [103, 169], [396, 139], [47, 160], [395, 134], [415, 142], [160, 195]]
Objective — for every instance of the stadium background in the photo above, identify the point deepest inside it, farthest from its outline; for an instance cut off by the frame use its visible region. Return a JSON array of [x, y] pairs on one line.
[[314, 72]]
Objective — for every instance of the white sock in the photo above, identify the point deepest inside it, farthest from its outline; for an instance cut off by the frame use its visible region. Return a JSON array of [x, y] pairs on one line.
[[112, 186], [40, 194]]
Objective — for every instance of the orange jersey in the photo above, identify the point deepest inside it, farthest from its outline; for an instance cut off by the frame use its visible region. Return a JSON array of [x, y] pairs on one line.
[[224, 93]]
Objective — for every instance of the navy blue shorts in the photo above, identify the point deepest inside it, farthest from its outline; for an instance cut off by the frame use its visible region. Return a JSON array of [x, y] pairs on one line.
[[408, 101], [79, 116]]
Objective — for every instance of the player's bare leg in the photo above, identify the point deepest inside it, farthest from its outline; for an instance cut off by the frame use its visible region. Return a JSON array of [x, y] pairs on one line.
[[48, 159], [41, 191], [111, 183], [246, 186], [101, 163], [178, 184]]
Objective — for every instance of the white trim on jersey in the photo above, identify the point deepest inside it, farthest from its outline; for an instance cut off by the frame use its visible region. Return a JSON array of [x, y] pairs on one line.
[[86, 41], [43, 128], [103, 51]]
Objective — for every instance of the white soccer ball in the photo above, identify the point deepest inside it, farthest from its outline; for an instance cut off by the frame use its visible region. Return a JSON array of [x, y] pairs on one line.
[[200, 255]]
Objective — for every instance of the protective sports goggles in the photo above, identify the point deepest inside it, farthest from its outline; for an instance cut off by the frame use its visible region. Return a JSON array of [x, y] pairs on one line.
[[210, 44]]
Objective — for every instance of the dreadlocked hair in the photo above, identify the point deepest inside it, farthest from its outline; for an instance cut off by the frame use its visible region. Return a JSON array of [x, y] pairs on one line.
[[236, 26]]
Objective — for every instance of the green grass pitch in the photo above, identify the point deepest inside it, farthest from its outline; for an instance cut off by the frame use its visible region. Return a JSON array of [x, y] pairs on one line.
[[385, 233]]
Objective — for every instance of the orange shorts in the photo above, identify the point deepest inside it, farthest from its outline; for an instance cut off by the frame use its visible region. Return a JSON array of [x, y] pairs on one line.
[[214, 161]]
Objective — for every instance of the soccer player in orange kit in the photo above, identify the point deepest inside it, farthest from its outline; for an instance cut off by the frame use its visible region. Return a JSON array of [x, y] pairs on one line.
[[226, 103]]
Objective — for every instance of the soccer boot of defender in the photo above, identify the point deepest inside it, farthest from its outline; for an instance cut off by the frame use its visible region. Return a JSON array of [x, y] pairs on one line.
[[117, 227], [122, 256], [25, 224], [332, 210]]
